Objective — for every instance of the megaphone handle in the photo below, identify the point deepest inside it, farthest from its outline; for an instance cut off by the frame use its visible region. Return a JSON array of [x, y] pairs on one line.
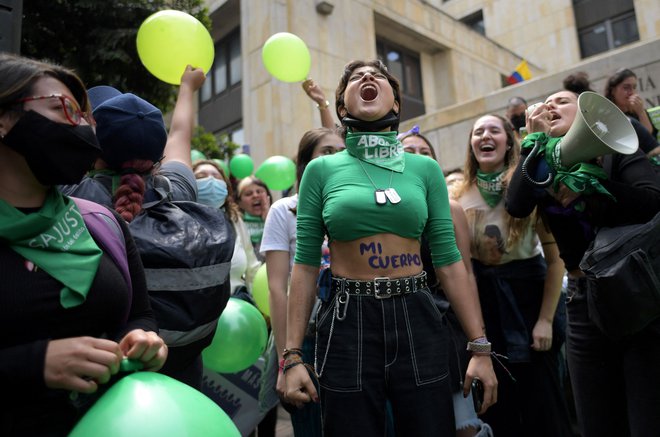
[[533, 154]]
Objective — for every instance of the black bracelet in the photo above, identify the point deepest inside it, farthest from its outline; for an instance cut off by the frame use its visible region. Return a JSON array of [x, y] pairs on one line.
[[290, 365], [293, 350]]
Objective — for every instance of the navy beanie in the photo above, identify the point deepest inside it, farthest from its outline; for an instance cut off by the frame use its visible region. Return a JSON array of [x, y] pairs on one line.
[[127, 126]]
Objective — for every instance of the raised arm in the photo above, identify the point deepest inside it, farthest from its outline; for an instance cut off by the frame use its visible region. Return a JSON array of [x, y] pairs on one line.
[[177, 147], [316, 94]]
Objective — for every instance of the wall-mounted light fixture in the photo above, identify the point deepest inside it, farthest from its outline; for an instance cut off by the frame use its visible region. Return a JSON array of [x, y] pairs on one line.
[[324, 8]]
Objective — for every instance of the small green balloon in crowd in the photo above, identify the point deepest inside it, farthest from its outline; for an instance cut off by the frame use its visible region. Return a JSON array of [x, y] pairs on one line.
[[260, 290], [196, 155], [223, 165], [239, 340], [241, 165], [286, 57], [277, 172], [169, 40], [150, 404]]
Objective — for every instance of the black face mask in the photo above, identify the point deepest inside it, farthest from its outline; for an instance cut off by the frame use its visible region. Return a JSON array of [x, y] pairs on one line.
[[57, 153], [390, 119], [518, 121]]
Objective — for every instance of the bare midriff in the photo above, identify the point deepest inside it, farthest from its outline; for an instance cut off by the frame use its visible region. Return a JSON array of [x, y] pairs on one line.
[[380, 255]]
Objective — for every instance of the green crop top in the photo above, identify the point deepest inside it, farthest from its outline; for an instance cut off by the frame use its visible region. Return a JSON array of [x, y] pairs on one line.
[[337, 196]]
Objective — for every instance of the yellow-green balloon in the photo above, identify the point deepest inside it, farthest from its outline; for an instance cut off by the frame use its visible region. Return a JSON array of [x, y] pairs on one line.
[[241, 165], [169, 40], [277, 172], [260, 290], [239, 339], [149, 404], [286, 57]]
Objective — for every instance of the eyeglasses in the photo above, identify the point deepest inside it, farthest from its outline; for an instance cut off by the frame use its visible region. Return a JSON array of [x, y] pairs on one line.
[[70, 108]]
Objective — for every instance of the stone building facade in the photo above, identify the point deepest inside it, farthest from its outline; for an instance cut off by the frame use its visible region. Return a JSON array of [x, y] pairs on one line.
[[452, 57]]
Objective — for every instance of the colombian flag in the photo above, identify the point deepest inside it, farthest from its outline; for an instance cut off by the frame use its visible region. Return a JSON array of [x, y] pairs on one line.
[[521, 73]]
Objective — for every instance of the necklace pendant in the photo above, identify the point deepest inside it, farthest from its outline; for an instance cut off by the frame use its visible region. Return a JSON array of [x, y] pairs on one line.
[[380, 197], [392, 196]]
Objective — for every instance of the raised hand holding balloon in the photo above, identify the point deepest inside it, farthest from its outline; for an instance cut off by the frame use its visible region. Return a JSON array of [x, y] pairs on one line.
[[169, 40]]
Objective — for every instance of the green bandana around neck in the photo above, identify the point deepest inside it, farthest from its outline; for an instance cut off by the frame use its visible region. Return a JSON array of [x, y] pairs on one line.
[[55, 239], [378, 148], [490, 187], [255, 226], [583, 178]]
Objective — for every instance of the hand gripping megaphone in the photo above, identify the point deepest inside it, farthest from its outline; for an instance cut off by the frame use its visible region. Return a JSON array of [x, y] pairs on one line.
[[599, 128]]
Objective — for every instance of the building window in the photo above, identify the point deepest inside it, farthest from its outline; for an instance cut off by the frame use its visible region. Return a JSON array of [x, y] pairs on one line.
[[404, 65], [220, 98], [604, 25], [226, 71], [475, 22]]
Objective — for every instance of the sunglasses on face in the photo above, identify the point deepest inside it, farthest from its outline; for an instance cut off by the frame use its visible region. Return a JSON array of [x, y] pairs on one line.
[[71, 110]]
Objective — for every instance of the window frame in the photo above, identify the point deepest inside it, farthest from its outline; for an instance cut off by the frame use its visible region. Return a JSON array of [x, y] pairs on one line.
[[223, 52], [408, 58]]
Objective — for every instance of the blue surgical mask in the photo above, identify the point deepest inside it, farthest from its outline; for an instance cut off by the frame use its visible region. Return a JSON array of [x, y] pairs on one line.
[[211, 191]]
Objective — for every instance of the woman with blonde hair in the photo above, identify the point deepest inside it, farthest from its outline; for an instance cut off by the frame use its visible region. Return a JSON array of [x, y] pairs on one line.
[[519, 277]]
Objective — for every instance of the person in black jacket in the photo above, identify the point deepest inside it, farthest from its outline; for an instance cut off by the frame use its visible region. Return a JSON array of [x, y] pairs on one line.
[[610, 378]]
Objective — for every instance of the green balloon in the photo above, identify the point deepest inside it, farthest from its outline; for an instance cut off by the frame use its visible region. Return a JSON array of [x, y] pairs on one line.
[[277, 172], [241, 165], [239, 340], [196, 155], [260, 290], [149, 404], [286, 57], [223, 165], [169, 40]]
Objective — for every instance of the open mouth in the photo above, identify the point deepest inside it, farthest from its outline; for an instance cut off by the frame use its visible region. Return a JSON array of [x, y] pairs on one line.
[[368, 93], [554, 116], [487, 148]]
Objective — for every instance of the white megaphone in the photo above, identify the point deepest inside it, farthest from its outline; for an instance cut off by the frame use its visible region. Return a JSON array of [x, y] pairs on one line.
[[599, 128]]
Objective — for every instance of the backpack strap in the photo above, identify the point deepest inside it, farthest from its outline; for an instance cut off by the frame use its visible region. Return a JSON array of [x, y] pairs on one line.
[[163, 188], [107, 233]]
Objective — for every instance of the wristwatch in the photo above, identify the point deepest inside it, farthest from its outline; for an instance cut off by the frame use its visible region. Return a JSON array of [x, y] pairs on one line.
[[323, 106]]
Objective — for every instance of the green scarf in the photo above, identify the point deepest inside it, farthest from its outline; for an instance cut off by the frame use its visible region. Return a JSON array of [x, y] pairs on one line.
[[255, 227], [490, 187], [55, 239], [581, 178], [378, 148]]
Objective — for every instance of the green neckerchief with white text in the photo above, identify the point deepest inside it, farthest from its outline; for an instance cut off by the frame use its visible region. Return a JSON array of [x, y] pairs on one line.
[[56, 240], [378, 148], [490, 186]]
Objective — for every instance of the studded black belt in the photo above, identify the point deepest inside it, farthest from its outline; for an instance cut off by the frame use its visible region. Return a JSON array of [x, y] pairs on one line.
[[380, 288]]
